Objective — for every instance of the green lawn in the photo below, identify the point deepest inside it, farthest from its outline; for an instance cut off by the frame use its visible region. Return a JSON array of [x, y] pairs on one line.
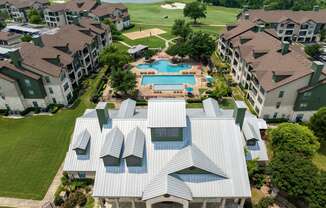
[[320, 158], [32, 149], [152, 42]]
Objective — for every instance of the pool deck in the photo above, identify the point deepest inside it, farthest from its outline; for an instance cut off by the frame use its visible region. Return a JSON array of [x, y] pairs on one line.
[[148, 91]]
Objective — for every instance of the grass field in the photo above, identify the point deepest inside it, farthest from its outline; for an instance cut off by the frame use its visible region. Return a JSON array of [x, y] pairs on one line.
[[320, 158], [152, 42], [32, 149]]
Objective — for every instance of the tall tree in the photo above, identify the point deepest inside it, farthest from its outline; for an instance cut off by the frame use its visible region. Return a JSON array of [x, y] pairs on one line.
[[113, 57], [123, 81], [181, 49], [292, 173], [116, 35], [181, 28], [34, 16], [294, 138], [195, 10], [201, 45], [317, 199], [317, 123]]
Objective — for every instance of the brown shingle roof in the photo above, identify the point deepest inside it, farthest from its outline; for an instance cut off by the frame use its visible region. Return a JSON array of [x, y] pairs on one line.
[[86, 5], [71, 35], [242, 26], [24, 3], [5, 77], [40, 58], [5, 36], [279, 15], [106, 9], [10, 66], [93, 25]]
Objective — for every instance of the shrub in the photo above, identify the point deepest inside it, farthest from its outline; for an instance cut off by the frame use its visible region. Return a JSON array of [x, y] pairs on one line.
[[69, 203], [4, 112], [317, 123], [141, 102], [58, 201], [78, 198], [312, 50], [265, 202], [27, 111], [65, 179]]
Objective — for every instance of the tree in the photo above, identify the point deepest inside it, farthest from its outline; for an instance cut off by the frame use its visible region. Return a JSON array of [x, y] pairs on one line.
[[181, 28], [4, 15], [292, 173], [317, 123], [123, 81], [26, 38], [294, 138], [201, 45], [2, 24], [265, 202], [317, 199], [323, 35], [34, 17], [113, 57], [312, 50], [195, 10], [220, 89], [180, 49], [116, 35]]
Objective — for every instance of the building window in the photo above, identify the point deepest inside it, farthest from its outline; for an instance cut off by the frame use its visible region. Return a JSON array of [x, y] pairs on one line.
[[28, 82], [278, 104], [31, 92], [50, 90], [47, 79], [306, 94], [281, 94], [62, 76], [35, 104], [81, 174], [275, 115], [303, 105], [260, 100], [54, 100]]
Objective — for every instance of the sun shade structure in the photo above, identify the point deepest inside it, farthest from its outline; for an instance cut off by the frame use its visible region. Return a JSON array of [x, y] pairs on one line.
[[111, 149], [190, 159], [166, 184], [165, 113], [80, 146], [127, 109], [211, 107]]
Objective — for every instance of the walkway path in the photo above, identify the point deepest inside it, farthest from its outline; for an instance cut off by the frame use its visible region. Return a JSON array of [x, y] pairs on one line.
[[126, 44], [28, 203]]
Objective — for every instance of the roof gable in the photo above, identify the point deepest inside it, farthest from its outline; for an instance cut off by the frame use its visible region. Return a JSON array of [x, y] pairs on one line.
[[113, 144], [82, 141], [134, 145]]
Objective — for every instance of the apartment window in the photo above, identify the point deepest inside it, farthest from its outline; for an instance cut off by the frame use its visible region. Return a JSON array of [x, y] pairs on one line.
[[288, 32], [47, 79], [66, 86], [307, 94], [303, 105], [50, 90], [28, 82], [281, 94], [260, 100], [266, 116], [31, 92], [54, 100], [81, 174], [35, 104], [280, 31], [275, 115], [257, 109], [62, 76], [278, 104]]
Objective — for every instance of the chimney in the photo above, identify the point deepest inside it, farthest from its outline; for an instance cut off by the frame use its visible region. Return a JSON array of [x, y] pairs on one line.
[[261, 28], [37, 40], [239, 112], [102, 113], [317, 68], [316, 8], [246, 16], [15, 57], [285, 47]]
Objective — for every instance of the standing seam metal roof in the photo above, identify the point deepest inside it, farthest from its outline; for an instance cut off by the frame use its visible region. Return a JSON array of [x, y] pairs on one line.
[[113, 143], [211, 107], [166, 184], [82, 140], [127, 108], [134, 145]]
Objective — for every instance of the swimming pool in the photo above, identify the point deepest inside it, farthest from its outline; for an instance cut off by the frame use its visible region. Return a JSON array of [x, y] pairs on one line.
[[164, 66], [168, 79]]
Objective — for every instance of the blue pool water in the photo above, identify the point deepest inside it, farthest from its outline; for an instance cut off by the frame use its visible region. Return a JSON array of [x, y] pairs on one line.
[[164, 66], [168, 79]]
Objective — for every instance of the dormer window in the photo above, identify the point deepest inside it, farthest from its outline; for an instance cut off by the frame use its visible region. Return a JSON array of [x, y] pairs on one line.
[[111, 149], [82, 143], [252, 142], [134, 147]]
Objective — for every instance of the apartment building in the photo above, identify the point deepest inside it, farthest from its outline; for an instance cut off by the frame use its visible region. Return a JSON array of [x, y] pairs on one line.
[[18, 9], [275, 74], [52, 66], [35, 77], [58, 15], [164, 154], [300, 26], [9, 39]]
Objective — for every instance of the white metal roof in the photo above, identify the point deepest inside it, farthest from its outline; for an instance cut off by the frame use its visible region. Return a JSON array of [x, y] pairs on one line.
[[211, 107], [127, 108], [113, 143], [134, 144], [166, 113], [82, 140], [166, 184]]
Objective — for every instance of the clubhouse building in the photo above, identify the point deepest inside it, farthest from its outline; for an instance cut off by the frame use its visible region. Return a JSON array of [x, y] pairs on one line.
[[166, 155]]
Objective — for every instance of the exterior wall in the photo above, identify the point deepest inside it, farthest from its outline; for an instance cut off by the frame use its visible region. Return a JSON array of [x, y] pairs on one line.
[[54, 19], [10, 96], [286, 102]]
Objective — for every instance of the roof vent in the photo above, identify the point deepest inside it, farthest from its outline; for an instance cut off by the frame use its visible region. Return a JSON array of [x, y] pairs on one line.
[[102, 113], [239, 112], [285, 47]]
